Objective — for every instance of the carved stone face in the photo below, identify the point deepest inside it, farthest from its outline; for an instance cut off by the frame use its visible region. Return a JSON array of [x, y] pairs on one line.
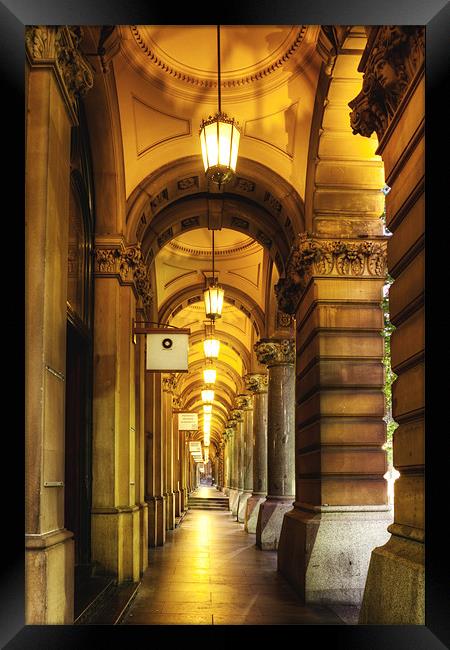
[[385, 74]]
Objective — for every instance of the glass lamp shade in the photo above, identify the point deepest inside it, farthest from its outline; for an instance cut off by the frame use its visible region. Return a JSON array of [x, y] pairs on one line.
[[207, 408], [219, 139], [209, 375], [207, 395], [206, 454], [207, 417], [207, 428], [211, 348], [213, 299]]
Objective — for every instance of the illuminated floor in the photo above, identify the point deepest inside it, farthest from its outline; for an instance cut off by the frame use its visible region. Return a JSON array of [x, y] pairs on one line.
[[210, 572]]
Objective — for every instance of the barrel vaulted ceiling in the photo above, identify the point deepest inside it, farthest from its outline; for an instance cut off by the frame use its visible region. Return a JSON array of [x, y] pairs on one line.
[[166, 83]]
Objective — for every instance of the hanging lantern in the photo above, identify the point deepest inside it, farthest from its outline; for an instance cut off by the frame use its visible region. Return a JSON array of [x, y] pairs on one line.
[[206, 440], [207, 395], [219, 138], [209, 375], [213, 299], [211, 347], [207, 418], [207, 408]]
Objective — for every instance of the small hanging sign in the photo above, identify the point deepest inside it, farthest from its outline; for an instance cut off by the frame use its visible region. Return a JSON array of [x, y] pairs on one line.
[[188, 421], [167, 348]]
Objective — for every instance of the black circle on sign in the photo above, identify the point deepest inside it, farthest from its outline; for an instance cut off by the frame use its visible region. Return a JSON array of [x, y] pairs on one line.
[[167, 343]]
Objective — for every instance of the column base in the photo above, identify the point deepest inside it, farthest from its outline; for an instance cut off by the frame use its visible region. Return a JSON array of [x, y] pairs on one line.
[[252, 511], [170, 510], [270, 520], [49, 578], [324, 551], [156, 521], [242, 505], [395, 586], [177, 500], [234, 500], [115, 542]]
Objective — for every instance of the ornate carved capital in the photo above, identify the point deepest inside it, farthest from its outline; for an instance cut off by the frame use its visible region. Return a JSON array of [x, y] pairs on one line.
[[393, 56], [126, 263], [229, 432], [256, 382], [176, 402], [169, 383], [59, 46], [318, 256], [236, 414], [274, 352], [244, 402], [232, 423]]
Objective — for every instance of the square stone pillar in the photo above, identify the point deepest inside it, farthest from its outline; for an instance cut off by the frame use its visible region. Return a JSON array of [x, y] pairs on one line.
[[167, 425], [395, 58], [50, 114], [340, 512]]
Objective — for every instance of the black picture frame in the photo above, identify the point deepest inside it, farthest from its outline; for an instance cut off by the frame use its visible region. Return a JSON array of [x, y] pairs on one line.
[[434, 14]]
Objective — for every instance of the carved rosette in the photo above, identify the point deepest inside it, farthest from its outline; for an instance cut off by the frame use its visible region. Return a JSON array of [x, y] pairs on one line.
[[244, 402], [256, 382], [273, 352], [316, 256], [392, 58], [59, 46], [127, 264]]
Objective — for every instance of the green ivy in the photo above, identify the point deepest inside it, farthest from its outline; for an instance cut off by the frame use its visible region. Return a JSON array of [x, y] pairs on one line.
[[390, 376]]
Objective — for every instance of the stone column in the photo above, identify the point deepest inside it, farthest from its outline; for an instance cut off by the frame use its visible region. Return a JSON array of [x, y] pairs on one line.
[[154, 460], [231, 428], [168, 388], [245, 404], [394, 57], [279, 356], [54, 63], [140, 445], [184, 451], [236, 423], [176, 457], [341, 509], [257, 384], [227, 461]]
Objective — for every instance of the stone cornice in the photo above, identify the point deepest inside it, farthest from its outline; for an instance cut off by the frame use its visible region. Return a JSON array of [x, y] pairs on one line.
[[256, 382], [393, 57], [58, 46], [274, 352], [332, 257], [126, 264], [244, 402]]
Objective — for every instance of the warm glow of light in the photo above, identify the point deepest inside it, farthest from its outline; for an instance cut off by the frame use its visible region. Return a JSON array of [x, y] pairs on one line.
[[207, 427], [209, 375], [213, 299], [207, 395], [207, 408], [219, 139], [211, 348], [206, 439]]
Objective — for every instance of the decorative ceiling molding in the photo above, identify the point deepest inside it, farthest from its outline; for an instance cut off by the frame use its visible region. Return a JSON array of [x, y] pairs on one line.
[[247, 247], [248, 75], [276, 129], [153, 127]]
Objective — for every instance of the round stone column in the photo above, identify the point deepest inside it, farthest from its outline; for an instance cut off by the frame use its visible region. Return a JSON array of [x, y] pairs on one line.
[[245, 405], [237, 415], [257, 384], [279, 356], [234, 491]]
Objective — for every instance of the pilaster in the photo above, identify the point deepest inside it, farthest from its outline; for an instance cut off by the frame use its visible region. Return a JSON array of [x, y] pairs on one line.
[[392, 103], [57, 75]]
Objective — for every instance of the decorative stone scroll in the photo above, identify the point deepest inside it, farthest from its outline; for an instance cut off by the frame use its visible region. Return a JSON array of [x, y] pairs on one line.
[[272, 352], [59, 46], [169, 383], [316, 256], [236, 414], [393, 56], [232, 423], [127, 263], [244, 402], [256, 382]]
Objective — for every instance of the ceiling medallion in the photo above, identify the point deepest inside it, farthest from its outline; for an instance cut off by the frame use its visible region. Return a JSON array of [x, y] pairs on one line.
[[211, 83]]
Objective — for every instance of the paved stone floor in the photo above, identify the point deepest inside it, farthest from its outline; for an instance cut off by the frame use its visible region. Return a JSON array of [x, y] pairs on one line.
[[210, 572]]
